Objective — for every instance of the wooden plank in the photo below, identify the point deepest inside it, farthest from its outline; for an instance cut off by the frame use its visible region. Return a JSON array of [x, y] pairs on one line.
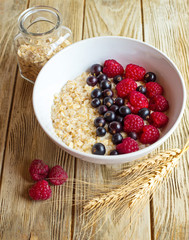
[[20, 217], [166, 27], [109, 18], [9, 11]]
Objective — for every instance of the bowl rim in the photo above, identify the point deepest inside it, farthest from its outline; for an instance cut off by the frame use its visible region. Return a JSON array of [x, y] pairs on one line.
[[108, 159]]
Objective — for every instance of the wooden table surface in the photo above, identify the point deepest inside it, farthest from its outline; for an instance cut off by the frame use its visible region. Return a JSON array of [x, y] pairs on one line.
[[162, 23]]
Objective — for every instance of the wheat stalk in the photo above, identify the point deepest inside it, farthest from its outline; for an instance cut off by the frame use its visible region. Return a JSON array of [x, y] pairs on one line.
[[138, 183]]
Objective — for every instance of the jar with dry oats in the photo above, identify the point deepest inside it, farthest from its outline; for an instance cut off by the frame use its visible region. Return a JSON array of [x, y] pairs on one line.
[[41, 36]]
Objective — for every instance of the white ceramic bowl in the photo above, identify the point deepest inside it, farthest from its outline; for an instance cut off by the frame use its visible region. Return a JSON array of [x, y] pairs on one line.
[[77, 58]]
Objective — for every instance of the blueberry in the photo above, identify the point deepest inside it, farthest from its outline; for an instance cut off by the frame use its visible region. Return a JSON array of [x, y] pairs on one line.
[[133, 135], [150, 77], [108, 101], [102, 109], [95, 102], [141, 89], [119, 101], [102, 77], [124, 111], [117, 138], [114, 108], [114, 127], [98, 149], [107, 93], [117, 79], [144, 113], [100, 131], [119, 119], [96, 93], [114, 152], [99, 122], [96, 69], [92, 81], [105, 84], [109, 116]]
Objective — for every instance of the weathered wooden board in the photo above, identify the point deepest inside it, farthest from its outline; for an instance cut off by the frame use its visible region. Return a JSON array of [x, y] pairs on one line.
[[20, 217], [166, 27]]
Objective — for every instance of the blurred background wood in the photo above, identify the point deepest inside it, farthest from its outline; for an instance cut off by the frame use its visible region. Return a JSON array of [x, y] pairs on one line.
[[161, 23]]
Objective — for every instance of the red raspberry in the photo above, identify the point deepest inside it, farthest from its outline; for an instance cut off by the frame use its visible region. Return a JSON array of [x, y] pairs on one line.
[[57, 175], [40, 191], [133, 123], [38, 170], [135, 72], [153, 89], [158, 103], [112, 68], [125, 87], [158, 119], [150, 134], [137, 101], [128, 145]]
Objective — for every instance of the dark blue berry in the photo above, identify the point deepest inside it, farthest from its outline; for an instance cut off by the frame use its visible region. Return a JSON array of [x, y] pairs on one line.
[[96, 93], [141, 89], [114, 127], [95, 102], [114, 152], [102, 109], [98, 149], [117, 138], [109, 116], [105, 84], [96, 69], [92, 81], [108, 101], [99, 122], [119, 101], [100, 131], [124, 111], [144, 113], [150, 77], [133, 135], [119, 119], [107, 93], [117, 79], [114, 108], [102, 77]]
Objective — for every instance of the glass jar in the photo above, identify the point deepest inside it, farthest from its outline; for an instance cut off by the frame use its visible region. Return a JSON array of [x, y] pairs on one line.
[[41, 36]]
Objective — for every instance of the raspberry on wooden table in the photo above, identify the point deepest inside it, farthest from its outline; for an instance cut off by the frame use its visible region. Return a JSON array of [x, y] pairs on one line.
[[133, 123], [158, 103], [125, 87], [150, 134], [112, 68], [38, 170], [153, 89], [57, 175], [40, 191], [137, 101], [135, 72], [158, 119], [128, 145]]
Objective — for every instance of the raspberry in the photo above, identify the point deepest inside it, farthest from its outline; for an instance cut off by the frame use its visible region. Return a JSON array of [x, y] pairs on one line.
[[149, 135], [153, 89], [57, 175], [112, 68], [38, 170], [158, 119], [133, 123], [158, 103], [125, 87], [137, 101], [135, 72], [128, 145], [40, 191]]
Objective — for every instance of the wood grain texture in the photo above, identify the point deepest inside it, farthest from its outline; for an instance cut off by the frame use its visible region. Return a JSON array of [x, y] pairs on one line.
[[21, 218], [166, 27], [109, 18]]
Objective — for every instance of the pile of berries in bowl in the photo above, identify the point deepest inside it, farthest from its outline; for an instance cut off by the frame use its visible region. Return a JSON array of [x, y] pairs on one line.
[[129, 101], [72, 61]]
